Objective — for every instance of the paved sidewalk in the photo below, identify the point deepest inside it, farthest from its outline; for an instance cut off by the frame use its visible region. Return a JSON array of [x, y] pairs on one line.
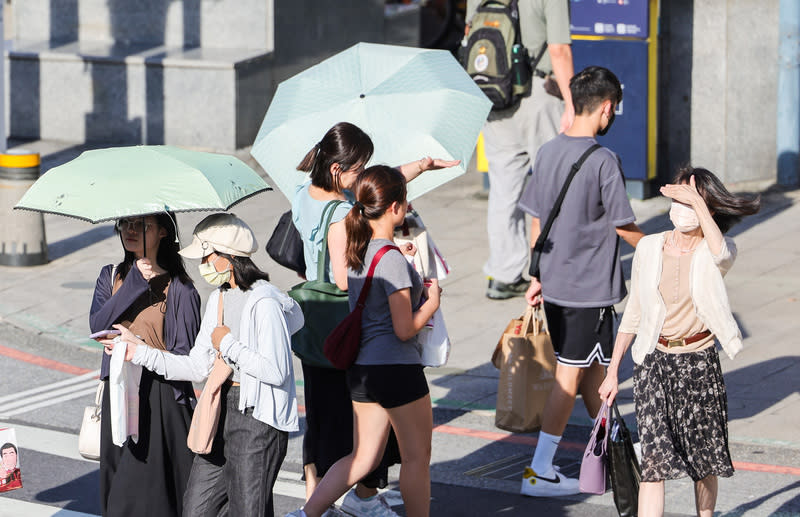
[[764, 286]]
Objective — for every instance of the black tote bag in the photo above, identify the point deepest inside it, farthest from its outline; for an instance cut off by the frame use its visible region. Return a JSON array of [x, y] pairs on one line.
[[623, 467]]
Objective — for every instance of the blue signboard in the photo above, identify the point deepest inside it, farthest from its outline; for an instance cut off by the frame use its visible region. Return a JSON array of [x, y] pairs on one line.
[[628, 60], [609, 18]]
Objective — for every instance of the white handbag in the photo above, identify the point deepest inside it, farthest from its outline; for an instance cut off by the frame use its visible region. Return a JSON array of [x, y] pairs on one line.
[[89, 437], [433, 342]]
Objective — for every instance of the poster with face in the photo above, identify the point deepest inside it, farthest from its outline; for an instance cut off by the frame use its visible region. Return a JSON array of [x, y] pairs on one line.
[[10, 477]]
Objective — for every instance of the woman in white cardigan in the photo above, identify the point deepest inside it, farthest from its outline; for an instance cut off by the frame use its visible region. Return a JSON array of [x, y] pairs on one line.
[[678, 304], [259, 406]]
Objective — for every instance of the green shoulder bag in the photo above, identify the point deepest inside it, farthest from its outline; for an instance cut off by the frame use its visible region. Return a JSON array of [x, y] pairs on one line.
[[324, 305]]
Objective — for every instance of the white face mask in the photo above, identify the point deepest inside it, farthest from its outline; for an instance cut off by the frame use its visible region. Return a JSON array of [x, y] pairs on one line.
[[684, 218], [212, 276]]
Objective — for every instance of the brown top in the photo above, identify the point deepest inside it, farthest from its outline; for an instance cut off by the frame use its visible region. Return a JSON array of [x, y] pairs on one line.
[[681, 321], [145, 317]]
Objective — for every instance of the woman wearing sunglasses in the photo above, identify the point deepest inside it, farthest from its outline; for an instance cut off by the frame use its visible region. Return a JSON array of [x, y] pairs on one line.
[[150, 294]]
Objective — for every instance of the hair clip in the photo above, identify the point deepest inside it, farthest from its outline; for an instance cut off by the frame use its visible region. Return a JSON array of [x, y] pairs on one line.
[[359, 205], [349, 196]]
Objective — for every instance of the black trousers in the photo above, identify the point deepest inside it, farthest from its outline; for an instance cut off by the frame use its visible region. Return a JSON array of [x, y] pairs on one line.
[[148, 477], [237, 477]]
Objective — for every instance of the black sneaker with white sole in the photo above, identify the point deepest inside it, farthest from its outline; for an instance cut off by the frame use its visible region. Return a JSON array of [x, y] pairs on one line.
[[501, 291]]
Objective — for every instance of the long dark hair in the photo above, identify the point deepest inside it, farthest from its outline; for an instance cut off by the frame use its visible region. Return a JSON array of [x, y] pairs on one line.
[[345, 144], [727, 208], [245, 272], [375, 190], [167, 256]]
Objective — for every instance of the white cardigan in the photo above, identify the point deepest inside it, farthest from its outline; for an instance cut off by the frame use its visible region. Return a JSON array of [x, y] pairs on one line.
[[645, 310], [262, 353]]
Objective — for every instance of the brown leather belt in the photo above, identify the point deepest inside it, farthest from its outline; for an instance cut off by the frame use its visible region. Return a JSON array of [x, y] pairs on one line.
[[670, 343]]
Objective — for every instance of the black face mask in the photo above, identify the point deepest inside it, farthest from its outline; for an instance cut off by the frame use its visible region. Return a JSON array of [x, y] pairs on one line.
[[608, 126]]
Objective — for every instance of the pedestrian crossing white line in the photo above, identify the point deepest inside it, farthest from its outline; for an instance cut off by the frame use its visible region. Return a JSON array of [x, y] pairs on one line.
[[47, 441], [49, 394], [54, 385], [14, 508]]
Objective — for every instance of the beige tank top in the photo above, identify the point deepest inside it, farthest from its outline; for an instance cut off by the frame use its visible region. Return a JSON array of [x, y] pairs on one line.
[[145, 316], [681, 321]]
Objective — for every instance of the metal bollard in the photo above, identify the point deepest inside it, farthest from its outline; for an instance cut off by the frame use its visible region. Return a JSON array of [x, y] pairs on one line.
[[22, 238]]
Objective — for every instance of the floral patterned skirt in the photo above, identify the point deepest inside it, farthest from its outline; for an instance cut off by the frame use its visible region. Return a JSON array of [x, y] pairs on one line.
[[682, 415]]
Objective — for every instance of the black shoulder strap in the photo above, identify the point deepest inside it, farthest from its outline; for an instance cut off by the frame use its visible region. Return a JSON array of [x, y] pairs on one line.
[[560, 199]]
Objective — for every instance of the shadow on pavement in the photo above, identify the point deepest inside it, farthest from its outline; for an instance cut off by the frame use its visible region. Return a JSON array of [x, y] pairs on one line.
[[64, 247], [790, 507], [83, 487]]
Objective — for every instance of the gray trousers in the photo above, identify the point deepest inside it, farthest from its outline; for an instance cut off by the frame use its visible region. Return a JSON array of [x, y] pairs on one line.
[[512, 138], [236, 478]]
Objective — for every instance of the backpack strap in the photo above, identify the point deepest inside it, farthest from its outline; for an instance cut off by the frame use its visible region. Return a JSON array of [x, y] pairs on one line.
[[362, 297], [539, 246], [325, 219]]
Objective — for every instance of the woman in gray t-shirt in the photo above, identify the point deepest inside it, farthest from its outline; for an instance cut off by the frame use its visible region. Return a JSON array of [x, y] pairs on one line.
[[387, 384]]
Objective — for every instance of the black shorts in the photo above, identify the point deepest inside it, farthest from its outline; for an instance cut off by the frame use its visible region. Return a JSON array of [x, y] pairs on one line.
[[581, 335], [390, 385]]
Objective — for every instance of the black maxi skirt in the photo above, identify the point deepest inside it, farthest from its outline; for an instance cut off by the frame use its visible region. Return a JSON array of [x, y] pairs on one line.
[[682, 415], [147, 478]]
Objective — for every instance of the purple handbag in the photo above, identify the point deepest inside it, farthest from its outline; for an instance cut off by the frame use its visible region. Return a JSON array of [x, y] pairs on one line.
[[592, 479]]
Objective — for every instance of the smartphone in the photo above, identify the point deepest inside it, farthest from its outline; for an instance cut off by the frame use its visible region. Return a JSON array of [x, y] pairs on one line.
[[105, 333]]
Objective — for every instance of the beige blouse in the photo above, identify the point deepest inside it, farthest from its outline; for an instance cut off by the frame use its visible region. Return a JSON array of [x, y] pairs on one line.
[[681, 321], [145, 317]]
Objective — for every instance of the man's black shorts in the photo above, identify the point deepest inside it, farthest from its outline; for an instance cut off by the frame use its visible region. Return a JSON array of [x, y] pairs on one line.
[[581, 335]]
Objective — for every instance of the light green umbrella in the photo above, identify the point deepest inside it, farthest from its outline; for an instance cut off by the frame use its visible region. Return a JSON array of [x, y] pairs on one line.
[[108, 184], [412, 102]]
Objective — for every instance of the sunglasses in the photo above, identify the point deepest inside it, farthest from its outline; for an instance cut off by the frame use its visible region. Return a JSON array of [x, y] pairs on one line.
[[134, 225]]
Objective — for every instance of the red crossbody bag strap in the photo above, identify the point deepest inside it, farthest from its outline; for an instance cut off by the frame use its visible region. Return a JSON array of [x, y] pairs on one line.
[[368, 282]]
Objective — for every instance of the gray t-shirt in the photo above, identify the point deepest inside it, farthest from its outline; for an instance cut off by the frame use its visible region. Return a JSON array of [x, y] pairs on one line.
[[379, 343], [580, 264], [233, 301], [539, 21], [306, 216]]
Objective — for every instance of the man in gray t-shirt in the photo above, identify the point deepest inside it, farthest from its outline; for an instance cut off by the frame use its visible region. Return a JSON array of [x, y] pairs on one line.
[[581, 274]]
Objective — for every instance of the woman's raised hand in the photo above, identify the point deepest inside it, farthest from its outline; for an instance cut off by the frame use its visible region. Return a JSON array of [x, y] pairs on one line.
[[408, 249], [685, 193], [145, 267], [430, 164]]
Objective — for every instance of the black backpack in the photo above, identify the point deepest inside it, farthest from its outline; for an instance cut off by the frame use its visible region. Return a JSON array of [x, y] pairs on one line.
[[493, 54]]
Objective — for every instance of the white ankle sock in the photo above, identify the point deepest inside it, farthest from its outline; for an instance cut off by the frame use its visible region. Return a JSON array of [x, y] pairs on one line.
[[542, 462]]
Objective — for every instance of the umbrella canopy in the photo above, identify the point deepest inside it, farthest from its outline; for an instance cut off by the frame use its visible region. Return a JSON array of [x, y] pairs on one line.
[[121, 182], [412, 102]]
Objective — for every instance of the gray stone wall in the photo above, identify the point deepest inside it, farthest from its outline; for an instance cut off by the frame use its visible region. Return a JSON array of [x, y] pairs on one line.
[[734, 88]]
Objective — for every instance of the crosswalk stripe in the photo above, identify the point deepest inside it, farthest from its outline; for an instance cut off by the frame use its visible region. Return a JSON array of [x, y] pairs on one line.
[[48, 395], [49, 402], [14, 508], [47, 387]]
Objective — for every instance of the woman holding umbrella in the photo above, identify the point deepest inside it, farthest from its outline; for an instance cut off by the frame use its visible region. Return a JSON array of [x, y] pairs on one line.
[[333, 165], [258, 406], [150, 294]]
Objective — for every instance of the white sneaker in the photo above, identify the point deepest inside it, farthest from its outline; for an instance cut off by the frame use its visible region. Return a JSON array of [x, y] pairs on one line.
[[555, 486], [374, 507]]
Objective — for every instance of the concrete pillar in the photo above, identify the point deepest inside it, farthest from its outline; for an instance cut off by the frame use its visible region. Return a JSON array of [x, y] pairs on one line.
[[22, 238], [734, 89], [788, 113]]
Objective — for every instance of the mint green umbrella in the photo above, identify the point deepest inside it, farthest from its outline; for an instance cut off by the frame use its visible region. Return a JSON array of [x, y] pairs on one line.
[[412, 102], [108, 184]]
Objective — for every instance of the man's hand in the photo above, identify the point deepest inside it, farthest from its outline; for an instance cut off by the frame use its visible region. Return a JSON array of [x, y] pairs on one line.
[[534, 293]]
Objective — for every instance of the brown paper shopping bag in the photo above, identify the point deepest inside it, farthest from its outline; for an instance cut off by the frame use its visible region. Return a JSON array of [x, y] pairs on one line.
[[527, 365]]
